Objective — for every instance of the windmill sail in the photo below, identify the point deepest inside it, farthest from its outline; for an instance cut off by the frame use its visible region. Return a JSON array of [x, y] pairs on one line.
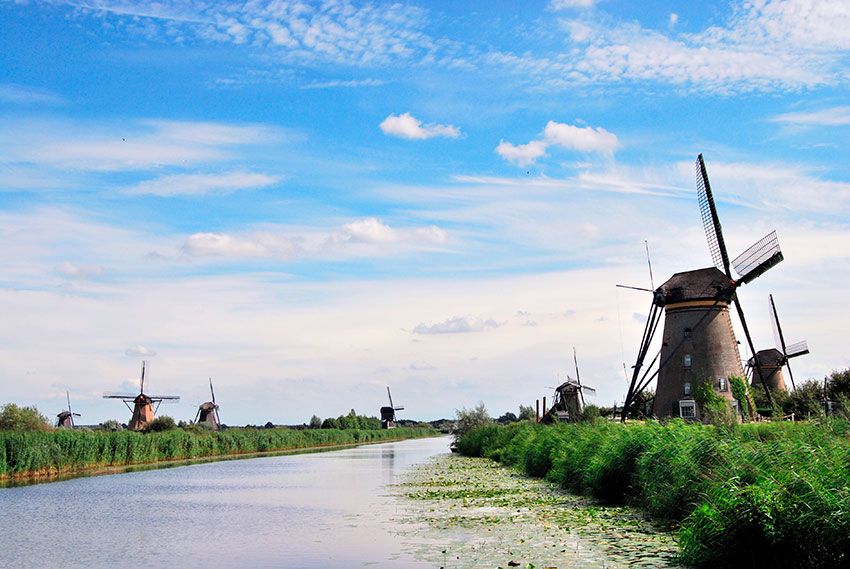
[[797, 349], [758, 258], [710, 219]]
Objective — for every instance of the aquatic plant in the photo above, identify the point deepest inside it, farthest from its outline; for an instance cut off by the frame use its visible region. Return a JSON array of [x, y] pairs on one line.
[[761, 494], [64, 451]]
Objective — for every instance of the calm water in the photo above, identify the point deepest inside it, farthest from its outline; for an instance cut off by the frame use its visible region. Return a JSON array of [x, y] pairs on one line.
[[315, 510]]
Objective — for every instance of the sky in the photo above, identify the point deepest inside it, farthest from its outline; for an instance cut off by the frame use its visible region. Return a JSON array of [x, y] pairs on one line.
[[309, 201]]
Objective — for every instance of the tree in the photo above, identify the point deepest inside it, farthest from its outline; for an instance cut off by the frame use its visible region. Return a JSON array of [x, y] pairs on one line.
[[315, 422], [111, 425], [14, 418], [507, 418], [526, 413], [807, 400], [468, 419], [161, 423], [838, 383]]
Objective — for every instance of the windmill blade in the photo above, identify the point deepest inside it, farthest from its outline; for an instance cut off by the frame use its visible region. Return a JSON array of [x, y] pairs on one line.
[[797, 349], [710, 220], [778, 338], [399, 408], [197, 415], [390, 396], [756, 368], [589, 389], [68, 395], [119, 396], [760, 257], [142, 381], [578, 378], [174, 398], [212, 392]]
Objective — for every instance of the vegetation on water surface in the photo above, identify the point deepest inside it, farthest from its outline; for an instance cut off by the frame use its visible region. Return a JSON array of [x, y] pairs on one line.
[[63, 451], [761, 494]]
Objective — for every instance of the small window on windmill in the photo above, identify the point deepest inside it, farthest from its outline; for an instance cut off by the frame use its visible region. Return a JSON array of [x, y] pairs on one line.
[[722, 384], [687, 333], [686, 388], [687, 361], [687, 409]]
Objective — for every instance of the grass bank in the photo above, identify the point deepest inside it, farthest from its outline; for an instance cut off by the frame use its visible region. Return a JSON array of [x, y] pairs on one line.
[[755, 495], [62, 452]]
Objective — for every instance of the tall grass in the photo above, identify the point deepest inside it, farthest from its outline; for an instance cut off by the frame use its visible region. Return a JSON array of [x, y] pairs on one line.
[[754, 495], [64, 451]]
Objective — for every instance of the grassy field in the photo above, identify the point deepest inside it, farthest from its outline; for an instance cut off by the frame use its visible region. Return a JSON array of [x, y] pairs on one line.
[[28, 454], [754, 495]]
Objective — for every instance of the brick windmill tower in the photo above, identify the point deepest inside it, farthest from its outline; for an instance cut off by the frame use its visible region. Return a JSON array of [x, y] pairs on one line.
[[698, 342], [772, 360], [144, 406]]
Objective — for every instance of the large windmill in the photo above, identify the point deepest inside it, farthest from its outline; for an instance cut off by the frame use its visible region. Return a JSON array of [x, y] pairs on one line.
[[65, 419], [208, 412], [771, 361], [144, 406], [568, 400], [698, 341], [388, 412]]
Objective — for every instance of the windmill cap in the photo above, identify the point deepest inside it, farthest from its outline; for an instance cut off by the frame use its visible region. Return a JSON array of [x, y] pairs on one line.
[[702, 284], [769, 357]]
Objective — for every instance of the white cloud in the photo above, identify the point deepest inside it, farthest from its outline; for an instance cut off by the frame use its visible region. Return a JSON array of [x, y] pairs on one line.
[[408, 126], [522, 154], [261, 244], [421, 366], [581, 139], [139, 352], [673, 19], [833, 116], [456, 325], [200, 184]]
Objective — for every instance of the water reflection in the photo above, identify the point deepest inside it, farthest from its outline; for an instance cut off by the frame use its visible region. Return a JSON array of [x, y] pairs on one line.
[[317, 510]]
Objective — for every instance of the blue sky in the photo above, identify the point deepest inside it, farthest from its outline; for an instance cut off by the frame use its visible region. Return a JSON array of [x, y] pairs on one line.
[[308, 201]]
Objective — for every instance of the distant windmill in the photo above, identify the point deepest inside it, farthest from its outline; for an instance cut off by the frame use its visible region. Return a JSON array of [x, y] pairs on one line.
[[65, 419], [568, 401], [208, 412], [388, 413], [698, 342], [772, 360], [144, 406]]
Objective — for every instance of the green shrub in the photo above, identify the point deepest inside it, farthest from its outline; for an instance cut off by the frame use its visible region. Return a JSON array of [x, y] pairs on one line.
[[14, 418]]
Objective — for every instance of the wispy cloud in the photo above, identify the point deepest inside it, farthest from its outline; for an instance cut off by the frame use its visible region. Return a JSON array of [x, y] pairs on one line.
[[350, 83], [833, 116], [80, 271], [300, 32], [763, 46], [456, 325], [128, 146], [364, 237], [407, 126], [201, 184], [26, 95]]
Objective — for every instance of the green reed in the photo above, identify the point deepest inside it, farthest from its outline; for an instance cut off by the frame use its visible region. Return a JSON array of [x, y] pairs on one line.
[[767, 494]]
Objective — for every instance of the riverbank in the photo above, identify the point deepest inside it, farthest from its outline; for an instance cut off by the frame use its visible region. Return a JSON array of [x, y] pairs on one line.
[[45, 456], [768, 494], [464, 512]]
